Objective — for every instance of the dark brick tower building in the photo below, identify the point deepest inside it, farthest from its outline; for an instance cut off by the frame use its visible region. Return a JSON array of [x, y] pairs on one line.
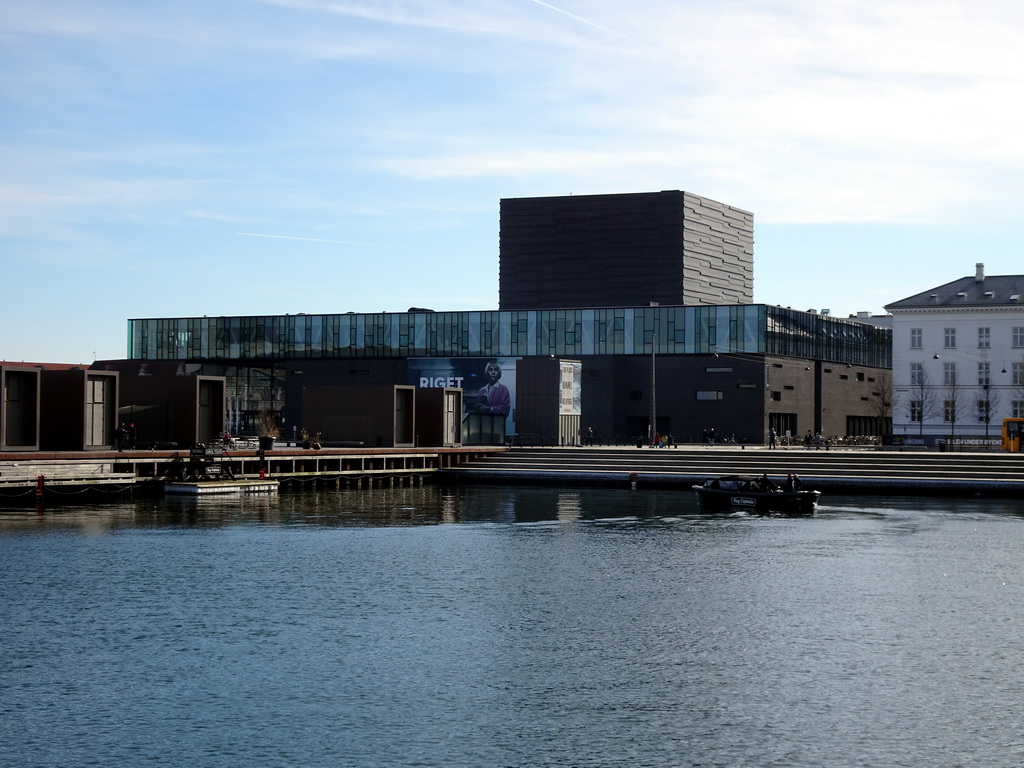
[[669, 247]]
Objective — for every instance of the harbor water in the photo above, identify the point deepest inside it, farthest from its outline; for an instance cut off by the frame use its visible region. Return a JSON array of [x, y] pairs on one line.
[[495, 626]]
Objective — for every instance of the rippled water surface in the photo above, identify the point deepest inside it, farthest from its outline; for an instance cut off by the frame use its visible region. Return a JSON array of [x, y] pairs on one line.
[[524, 627]]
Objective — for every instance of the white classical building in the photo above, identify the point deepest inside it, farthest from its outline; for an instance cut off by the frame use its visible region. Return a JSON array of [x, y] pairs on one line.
[[958, 361]]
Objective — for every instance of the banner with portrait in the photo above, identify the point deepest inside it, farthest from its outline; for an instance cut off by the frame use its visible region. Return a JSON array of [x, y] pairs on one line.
[[489, 392]]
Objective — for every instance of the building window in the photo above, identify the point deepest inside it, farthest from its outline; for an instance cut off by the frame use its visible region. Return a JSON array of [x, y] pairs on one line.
[[949, 374], [1018, 336], [916, 410], [949, 338], [917, 374], [983, 374], [916, 338], [1018, 374], [776, 396], [1017, 409], [708, 394], [984, 414], [949, 410], [984, 338]]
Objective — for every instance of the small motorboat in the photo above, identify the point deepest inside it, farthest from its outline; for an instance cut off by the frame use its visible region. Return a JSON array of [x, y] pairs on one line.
[[757, 494]]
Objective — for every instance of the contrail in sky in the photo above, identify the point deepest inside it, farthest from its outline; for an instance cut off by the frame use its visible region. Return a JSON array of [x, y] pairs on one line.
[[290, 237], [581, 19]]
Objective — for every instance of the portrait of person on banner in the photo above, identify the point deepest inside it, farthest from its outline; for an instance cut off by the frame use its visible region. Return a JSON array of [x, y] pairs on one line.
[[493, 397]]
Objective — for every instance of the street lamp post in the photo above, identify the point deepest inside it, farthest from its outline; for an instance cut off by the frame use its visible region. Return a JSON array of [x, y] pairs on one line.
[[654, 411]]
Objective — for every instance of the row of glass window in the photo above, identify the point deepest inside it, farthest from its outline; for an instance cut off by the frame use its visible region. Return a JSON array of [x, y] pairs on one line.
[[949, 337], [752, 329]]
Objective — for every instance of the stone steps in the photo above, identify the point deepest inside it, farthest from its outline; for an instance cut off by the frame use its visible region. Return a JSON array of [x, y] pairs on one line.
[[871, 471]]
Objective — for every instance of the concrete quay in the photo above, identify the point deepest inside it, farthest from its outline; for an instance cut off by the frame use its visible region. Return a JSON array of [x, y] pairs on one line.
[[107, 475], [869, 471]]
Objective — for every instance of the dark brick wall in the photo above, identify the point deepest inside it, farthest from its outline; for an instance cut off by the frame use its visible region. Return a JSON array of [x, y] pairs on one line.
[[623, 250]]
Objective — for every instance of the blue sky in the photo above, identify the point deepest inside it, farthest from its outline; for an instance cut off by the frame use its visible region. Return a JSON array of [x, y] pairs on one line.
[[241, 157]]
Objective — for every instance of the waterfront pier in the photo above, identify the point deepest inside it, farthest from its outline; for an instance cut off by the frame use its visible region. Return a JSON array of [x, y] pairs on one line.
[[29, 476], [25, 477]]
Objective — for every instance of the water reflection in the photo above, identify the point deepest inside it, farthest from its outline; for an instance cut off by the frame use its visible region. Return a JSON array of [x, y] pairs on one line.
[[480, 626], [437, 505]]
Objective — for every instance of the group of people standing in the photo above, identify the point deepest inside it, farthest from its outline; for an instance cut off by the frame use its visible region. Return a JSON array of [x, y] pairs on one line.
[[812, 439], [662, 441]]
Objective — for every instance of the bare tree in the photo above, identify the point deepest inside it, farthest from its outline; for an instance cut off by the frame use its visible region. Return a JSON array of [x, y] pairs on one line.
[[954, 406], [922, 401], [882, 403], [988, 404]]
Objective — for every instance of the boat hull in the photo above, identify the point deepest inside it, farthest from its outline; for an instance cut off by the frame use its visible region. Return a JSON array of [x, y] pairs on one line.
[[798, 502], [755, 495]]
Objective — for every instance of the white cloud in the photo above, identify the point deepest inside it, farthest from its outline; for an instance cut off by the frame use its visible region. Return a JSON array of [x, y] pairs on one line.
[[154, 129], [896, 104], [859, 112]]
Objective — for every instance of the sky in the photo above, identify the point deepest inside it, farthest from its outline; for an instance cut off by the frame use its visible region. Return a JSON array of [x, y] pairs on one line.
[[177, 158]]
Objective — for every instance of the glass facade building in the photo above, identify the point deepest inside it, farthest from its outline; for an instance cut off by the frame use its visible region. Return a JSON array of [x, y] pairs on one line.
[[754, 329]]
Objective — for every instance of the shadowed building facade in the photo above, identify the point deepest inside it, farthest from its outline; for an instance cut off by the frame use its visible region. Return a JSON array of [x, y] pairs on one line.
[[627, 250], [630, 314], [678, 370]]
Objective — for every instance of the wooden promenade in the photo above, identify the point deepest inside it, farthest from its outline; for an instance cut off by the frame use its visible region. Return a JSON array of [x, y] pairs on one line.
[[26, 478]]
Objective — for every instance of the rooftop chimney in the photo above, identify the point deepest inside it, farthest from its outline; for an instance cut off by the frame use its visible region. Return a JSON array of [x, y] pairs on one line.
[[979, 275]]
